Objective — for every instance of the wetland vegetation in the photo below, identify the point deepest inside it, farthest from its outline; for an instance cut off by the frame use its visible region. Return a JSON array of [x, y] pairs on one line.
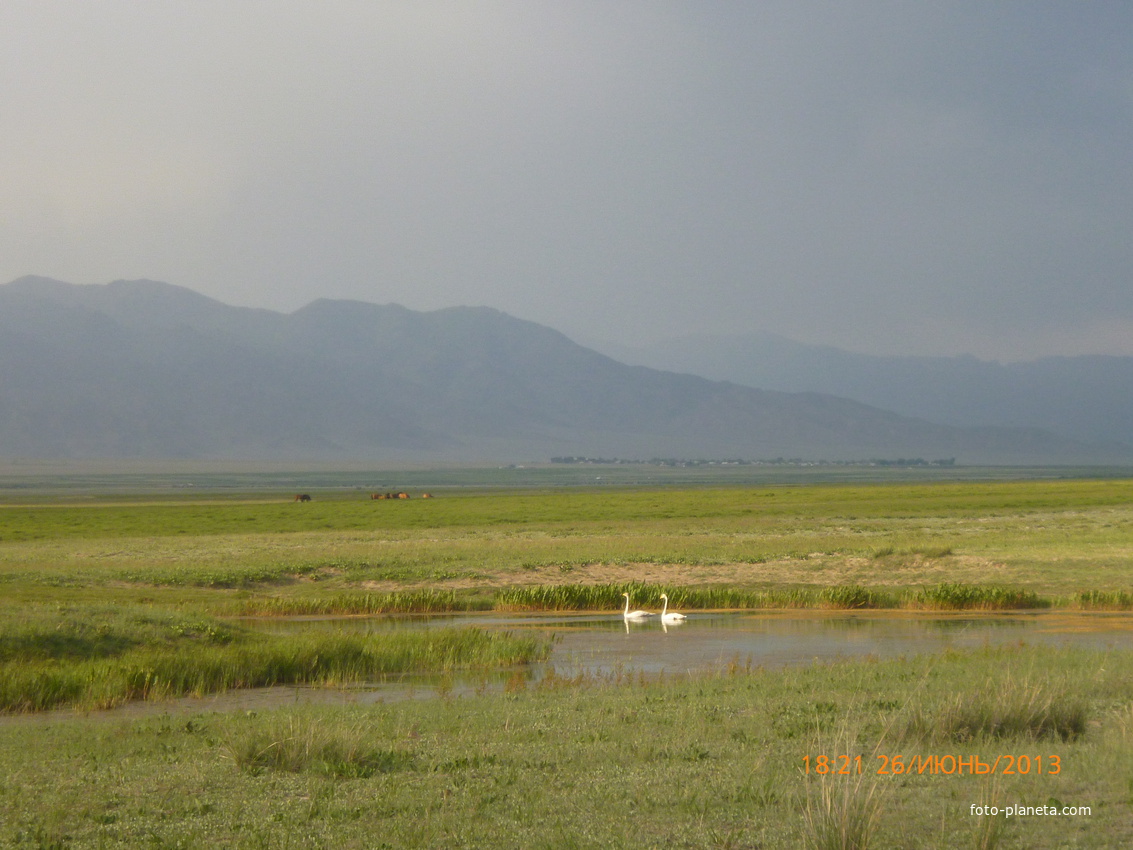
[[114, 595]]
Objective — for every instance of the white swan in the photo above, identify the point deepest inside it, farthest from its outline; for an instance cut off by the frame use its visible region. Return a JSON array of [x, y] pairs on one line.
[[634, 615], [666, 617]]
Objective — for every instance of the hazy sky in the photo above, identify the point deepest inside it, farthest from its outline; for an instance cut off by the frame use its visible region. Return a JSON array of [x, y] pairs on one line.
[[937, 178]]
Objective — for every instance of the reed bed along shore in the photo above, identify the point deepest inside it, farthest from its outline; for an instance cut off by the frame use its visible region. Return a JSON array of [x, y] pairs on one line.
[[100, 658], [365, 603], [304, 659], [608, 597]]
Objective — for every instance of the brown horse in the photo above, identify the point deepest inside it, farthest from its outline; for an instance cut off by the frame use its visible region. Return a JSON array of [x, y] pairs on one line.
[[403, 495], [426, 495], [377, 495], [302, 497]]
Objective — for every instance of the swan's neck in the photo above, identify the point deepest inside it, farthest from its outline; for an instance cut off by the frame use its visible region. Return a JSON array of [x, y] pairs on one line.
[[665, 607], [624, 613]]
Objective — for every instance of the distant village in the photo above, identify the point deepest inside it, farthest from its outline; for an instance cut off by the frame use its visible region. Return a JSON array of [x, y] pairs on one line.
[[779, 461]]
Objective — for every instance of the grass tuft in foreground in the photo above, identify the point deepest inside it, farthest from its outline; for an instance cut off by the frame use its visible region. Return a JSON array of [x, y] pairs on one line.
[[988, 829], [843, 814], [1025, 710], [296, 744]]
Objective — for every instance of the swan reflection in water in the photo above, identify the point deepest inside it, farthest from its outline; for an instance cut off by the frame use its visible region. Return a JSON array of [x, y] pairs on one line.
[[664, 625]]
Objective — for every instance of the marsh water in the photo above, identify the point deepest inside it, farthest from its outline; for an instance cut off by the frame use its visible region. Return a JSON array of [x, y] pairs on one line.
[[604, 645], [601, 644]]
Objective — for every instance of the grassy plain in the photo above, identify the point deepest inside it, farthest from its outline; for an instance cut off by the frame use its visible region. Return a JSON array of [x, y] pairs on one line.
[[1052, 537], [132, 595]]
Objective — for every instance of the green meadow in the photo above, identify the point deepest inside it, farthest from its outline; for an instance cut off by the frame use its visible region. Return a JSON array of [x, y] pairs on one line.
[[136, 596]]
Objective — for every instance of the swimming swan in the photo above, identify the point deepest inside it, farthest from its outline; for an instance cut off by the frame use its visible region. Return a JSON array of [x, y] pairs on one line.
[[666, 617], [634, 615]]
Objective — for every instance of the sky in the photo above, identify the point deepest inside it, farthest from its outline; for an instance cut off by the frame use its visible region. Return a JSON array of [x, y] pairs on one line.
[[886, 177]]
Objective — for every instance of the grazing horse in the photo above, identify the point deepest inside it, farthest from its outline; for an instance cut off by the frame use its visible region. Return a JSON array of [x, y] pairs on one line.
[[377, 495], [302, 497], [403, 495], [426, 495]]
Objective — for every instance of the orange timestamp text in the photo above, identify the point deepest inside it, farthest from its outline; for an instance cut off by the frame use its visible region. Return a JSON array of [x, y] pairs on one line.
[[935, 765]]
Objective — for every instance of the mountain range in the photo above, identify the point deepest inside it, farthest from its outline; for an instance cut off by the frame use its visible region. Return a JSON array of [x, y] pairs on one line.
[[143, 369], [1088, 398]]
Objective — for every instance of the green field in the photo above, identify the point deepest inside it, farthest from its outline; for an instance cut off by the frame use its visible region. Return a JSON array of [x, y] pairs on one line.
[[127, 589]]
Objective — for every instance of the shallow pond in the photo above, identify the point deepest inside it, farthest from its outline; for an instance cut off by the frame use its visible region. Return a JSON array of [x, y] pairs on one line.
[[603, 645], [600, 644]]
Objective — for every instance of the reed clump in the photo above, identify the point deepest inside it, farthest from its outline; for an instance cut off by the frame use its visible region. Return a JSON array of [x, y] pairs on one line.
[[961, 597], [297, 744], [843, 814], [1027, 710], [1103, 600], [425, 601], [941, 597], [606, 597]]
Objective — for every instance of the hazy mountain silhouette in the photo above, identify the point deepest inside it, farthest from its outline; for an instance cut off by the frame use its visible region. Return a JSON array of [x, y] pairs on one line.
[[146, 369], [1086, 398]]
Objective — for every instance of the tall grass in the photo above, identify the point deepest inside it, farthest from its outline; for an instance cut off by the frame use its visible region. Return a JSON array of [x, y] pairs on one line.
[[988, 829], [425, 601], [297, 744], [843, 814], [80, 632], [256, 662], [1104, 600], [1026, 709], [606, 597], [959, 597]]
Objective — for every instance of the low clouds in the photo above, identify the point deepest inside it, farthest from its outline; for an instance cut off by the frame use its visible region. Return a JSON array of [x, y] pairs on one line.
[[883, 177]]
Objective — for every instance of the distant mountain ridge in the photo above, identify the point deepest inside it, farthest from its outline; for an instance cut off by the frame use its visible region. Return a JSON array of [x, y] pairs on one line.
[[147, 369], [1087, 398]]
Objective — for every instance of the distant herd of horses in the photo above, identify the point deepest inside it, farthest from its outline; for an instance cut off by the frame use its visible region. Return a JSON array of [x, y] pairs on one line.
[[305, 497]]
